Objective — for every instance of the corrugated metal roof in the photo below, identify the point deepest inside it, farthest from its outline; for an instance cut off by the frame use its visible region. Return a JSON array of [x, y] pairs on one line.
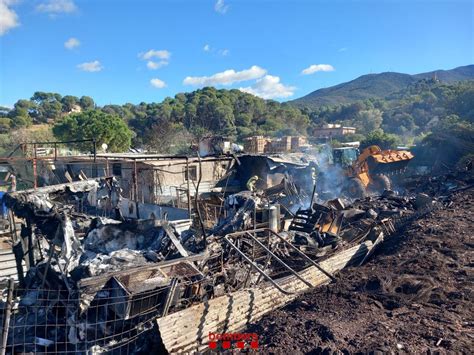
[[300, 159]]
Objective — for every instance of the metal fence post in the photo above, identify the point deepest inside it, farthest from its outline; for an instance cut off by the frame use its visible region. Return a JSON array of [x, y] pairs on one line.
[[6, 317]]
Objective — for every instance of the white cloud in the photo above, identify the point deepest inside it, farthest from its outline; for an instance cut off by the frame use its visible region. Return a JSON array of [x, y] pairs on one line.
[[57, 6], [317, 67], [8, 17], [221, 7], [155, 65], [224, 52], [157, 83], [72, 43], [161, 54], [91, 66], [227, 77], [269, 87], [163, 57]]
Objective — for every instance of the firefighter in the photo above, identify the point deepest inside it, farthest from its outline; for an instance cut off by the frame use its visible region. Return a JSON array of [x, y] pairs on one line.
[[252, 183]]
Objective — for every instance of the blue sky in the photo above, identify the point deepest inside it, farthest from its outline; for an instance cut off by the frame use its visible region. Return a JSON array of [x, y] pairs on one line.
[[119, 51]]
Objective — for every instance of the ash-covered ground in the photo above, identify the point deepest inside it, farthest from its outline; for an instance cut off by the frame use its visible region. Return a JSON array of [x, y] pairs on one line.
[[415, 295]]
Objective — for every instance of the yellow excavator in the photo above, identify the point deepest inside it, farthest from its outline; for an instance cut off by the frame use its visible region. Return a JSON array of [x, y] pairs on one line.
[[369, 170]]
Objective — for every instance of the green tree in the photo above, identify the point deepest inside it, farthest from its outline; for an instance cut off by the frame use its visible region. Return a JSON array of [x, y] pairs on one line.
[[450, 141], [48, 106], [20, 116], [105, 128], [68, 102], [86, 103], [369, 120], [4, 111], [381, 139], [5, 125]]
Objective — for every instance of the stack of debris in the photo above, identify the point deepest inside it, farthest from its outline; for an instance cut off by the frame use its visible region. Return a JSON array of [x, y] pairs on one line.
[[83, 266], [96, 283]]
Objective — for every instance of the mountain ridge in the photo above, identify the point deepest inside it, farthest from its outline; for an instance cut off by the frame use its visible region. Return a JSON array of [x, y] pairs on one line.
[[377, 85]]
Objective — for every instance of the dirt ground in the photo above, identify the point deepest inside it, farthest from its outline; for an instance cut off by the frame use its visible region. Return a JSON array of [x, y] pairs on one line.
[[415, 295]]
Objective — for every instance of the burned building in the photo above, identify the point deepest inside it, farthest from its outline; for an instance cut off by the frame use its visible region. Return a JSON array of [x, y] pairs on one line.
[[94, 280], [159, 251]]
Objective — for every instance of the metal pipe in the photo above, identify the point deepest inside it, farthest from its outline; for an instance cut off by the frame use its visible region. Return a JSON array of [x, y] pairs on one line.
[[291, 245], [304, 256], [268, 278], [279, 260], [61, 142]]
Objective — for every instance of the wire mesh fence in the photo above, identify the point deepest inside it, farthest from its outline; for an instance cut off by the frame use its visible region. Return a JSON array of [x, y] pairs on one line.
[[58, 321]]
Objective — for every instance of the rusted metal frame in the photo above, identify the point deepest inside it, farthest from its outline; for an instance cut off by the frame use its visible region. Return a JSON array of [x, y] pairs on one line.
[[256, 267], [267, 262], [14, 150], [279, 260], [146, 157], [247, 278], [306, 257], [99, 157], [61, 142], [6, 317]]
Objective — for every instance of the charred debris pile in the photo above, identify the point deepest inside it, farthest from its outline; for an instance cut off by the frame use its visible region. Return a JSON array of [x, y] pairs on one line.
[[95, 283]]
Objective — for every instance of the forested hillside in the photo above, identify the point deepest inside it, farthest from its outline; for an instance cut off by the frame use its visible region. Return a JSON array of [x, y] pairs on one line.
[[409, 113], [377, 86], [169, 126], [429, 113]]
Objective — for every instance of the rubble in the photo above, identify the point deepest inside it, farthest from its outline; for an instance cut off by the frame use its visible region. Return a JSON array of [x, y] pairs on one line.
[[96, 280], [414, 294]]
